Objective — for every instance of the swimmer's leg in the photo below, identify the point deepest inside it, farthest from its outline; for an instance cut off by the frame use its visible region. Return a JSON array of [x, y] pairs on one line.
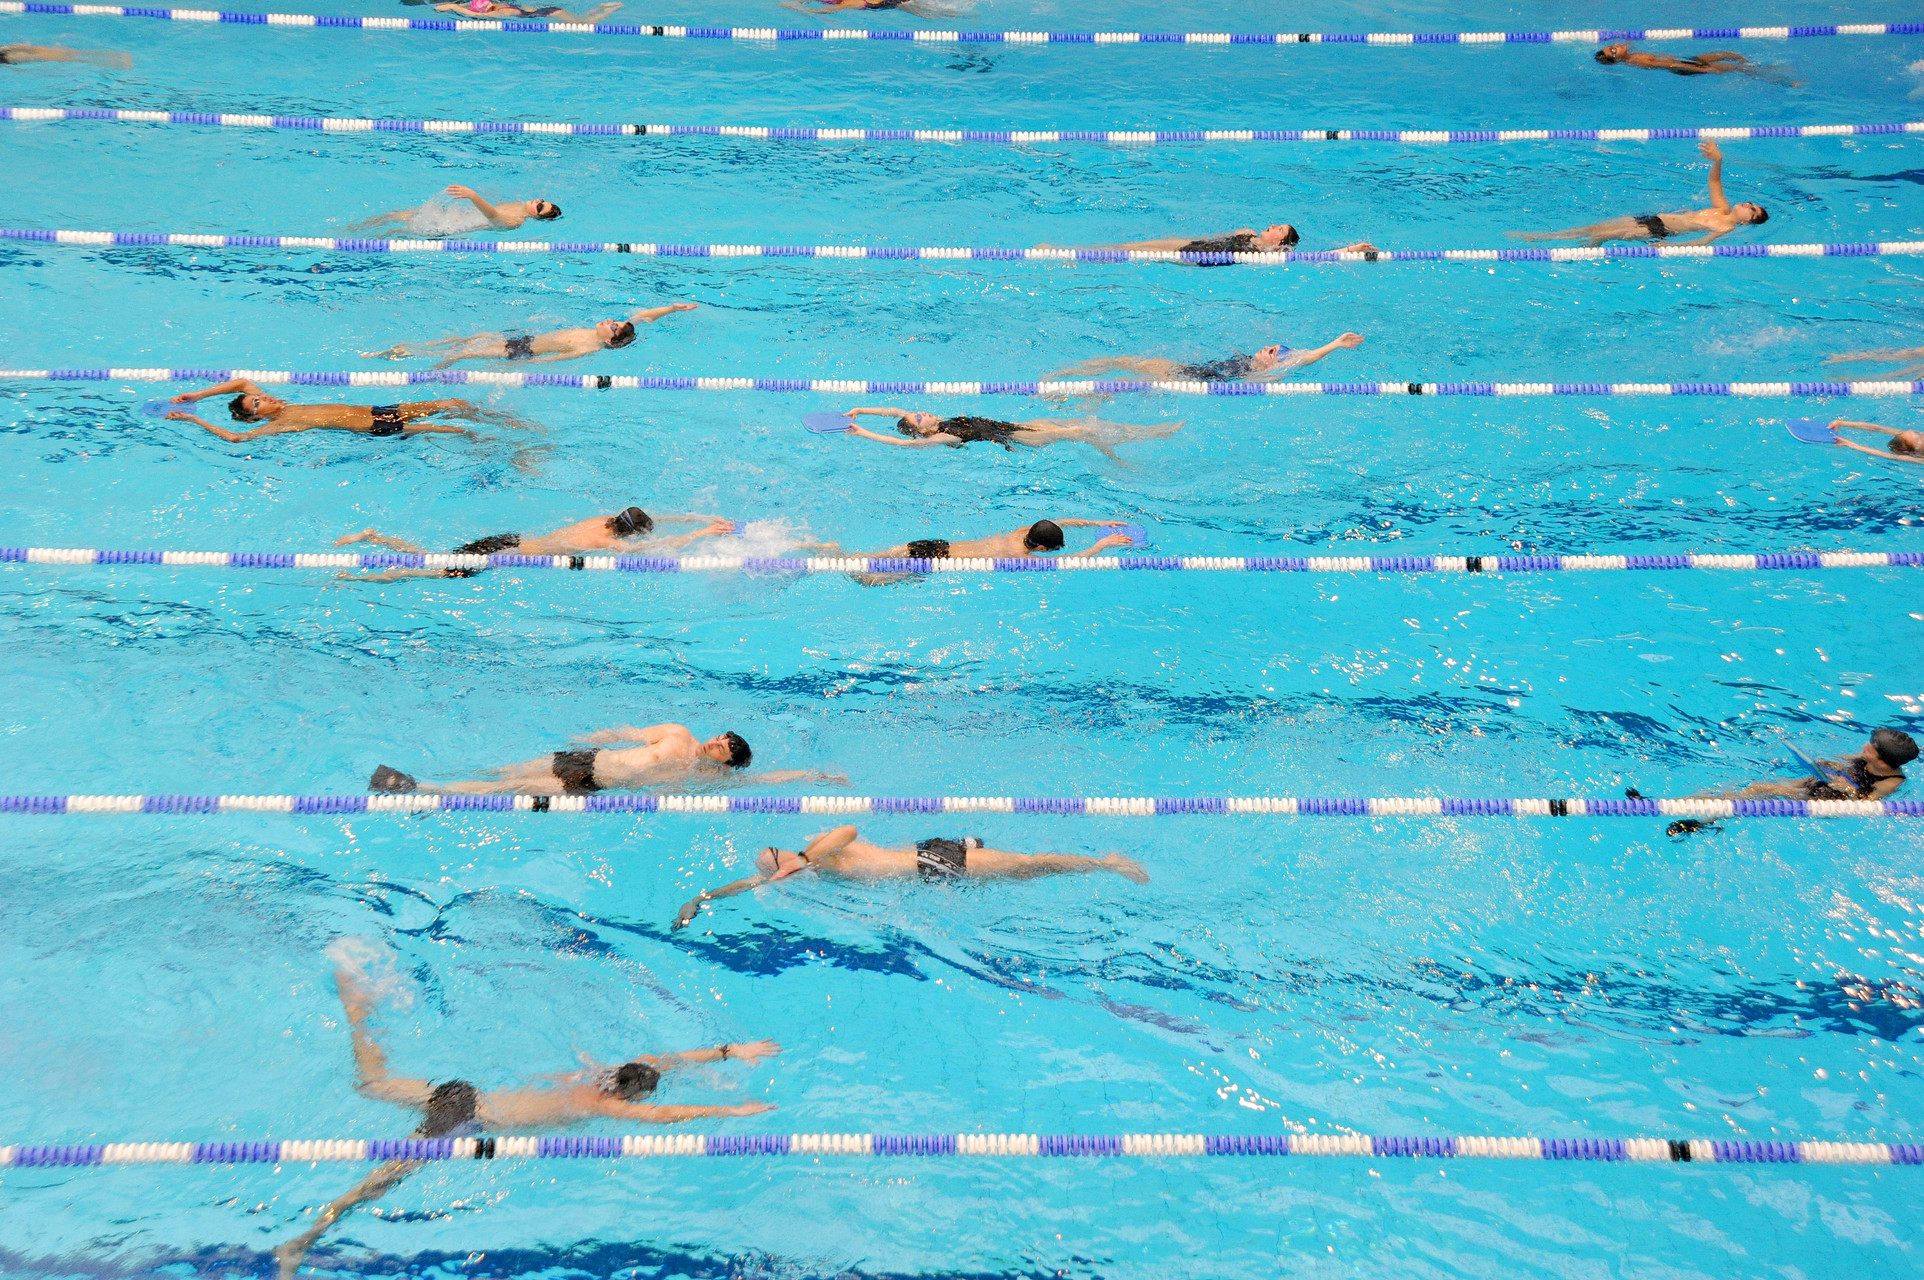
[[381, 539], [999, 864], [529, 778], [372, 1187], [1596, 233]]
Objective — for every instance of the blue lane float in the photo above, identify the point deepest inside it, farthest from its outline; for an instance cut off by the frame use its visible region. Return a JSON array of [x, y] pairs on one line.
[[651, 249], [750, 36], [1003, 137], [1661, 1151], [846, 387], [1419, 807]]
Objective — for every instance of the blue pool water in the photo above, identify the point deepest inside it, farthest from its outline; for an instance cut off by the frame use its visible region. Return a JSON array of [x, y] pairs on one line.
[[167, 978]]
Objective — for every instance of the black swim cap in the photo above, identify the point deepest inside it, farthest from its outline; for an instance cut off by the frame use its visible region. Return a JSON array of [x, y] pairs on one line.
[[1603, 56], [635, 1081], [450, 1106], [738, 753], [1043, 535], [1894, 747], [624, 334], [238, 407], [631, 521], [554, 211]]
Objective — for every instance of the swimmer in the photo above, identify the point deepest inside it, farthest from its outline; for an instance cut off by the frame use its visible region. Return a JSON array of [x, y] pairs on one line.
[[18, 55], [1905, 446], [669, 755], [623, 534], [1267, 364], [1718, 221], [923, 430], [545, 13], [1888, 355], [251, 404], [538, 348], [456, 1109], [839, 854], [506, 216], [1872, 774], [1700, 64], [1273, 239], [1028, 542], [934, 10]]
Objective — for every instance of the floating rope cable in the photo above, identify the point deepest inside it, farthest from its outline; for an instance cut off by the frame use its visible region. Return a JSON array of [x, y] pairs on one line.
[[1795, 560], [749, 35], [1148, 1145], [1071, 806], [839, 386], [999, 136], [1583, 253]]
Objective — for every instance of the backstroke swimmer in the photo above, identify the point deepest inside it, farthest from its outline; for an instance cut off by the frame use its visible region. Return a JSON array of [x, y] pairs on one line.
[[923, 430], [1700, 64], [19, 55], [1719, 220], [934, 10], [625, 533], [536, 348], [1905, 446], [1264, 365], [1873, 773], [840, 854], [660, 755], [456, 1109], [251, 404], [506, 216], [543, 13], [1274, 239]]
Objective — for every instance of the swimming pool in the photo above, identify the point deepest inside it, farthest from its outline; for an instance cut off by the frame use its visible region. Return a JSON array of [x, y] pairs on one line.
[[167, 978]]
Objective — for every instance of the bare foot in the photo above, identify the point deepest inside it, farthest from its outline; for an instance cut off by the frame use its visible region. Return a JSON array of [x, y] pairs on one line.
[[289, 1255], [1128, 868]]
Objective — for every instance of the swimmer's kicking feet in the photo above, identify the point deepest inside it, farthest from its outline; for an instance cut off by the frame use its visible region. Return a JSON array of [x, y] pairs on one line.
[[506, 216], [19, 55], [625, 533], [456, 1109], [1264, 365], [1719, 220], [1272, 239], [840, 854], [279, 418], [667, 755], [536, 348], [1041, 538]]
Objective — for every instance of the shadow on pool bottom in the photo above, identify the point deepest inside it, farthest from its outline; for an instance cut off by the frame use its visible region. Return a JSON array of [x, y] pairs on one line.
[[600, 1261]]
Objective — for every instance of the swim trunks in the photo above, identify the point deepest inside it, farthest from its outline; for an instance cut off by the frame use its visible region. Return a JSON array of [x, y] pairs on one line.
[[521, 348], [969, 430], [940, 859], [1229, 369], [482, 547], [387, 420], [1654, 225], [1241, 242], [576, 769], [451, 1112], [7, 58], [392, 781], [929, 549]]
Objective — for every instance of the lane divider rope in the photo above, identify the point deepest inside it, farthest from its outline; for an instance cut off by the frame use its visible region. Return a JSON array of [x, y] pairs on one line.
[[998, 136], [1148, 1145], [344, 244], [840, 386], [750, 35], [1792, 560], [1069, 806]]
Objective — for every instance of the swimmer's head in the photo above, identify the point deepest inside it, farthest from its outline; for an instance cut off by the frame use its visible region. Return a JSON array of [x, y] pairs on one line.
[[1280, 236], [546, 210], [1043, 535], [450, 1106], [1894, 747], [1911, 442], [779, 864], [729, 749], [1266, 358], [631, 521], [253, 407], [1754, 214], [1611, 54], [632, 1081], [615, 333], [918, 424]]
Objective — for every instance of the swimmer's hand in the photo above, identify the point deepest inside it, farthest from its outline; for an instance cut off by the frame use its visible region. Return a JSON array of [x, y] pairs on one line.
[[745, 1109], [754, 1050], [178, 416], [346, 538], [1361, 246], [683, 306], [689, 910], [1710, 150], [460, 192], [1113, 540], [1349, 340]]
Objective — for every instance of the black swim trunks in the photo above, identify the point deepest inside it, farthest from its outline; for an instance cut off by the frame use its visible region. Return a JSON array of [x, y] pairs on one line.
[[1229, 369], [929, 549], [387, 421], [1241, 242], [1654, 225], [7, 57], [521, 348], [967, 430], [483, 547], [943, 859], [576, 769], [451, 1111]]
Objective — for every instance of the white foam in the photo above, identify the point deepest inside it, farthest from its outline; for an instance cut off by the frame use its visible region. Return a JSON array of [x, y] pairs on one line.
[[371, 965]]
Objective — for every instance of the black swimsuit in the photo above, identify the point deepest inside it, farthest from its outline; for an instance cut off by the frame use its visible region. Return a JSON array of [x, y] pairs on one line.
[[1230, 369], [482, 547], [387, 420], [929, 549], [521, 348], [576, 769], [969, 430], [943, 859], [1241, 242], [1654, 225], [1857, 775]]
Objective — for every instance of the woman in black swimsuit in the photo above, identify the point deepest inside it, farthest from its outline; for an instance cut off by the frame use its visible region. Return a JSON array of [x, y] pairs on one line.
[[1273, 239], [934, 10], [1265, 365], [921, 430]]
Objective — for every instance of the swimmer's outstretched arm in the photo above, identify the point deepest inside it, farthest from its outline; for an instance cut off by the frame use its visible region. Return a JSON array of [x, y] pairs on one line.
[[920, 442], [690, 908], [1885, 355], [232, 387], [1297, 359], [649, 1113], [720, 528], [494, 216], [649, 315], [381, 539], [752, 1051], [775, 777], [237, 437], [1717, 198]]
